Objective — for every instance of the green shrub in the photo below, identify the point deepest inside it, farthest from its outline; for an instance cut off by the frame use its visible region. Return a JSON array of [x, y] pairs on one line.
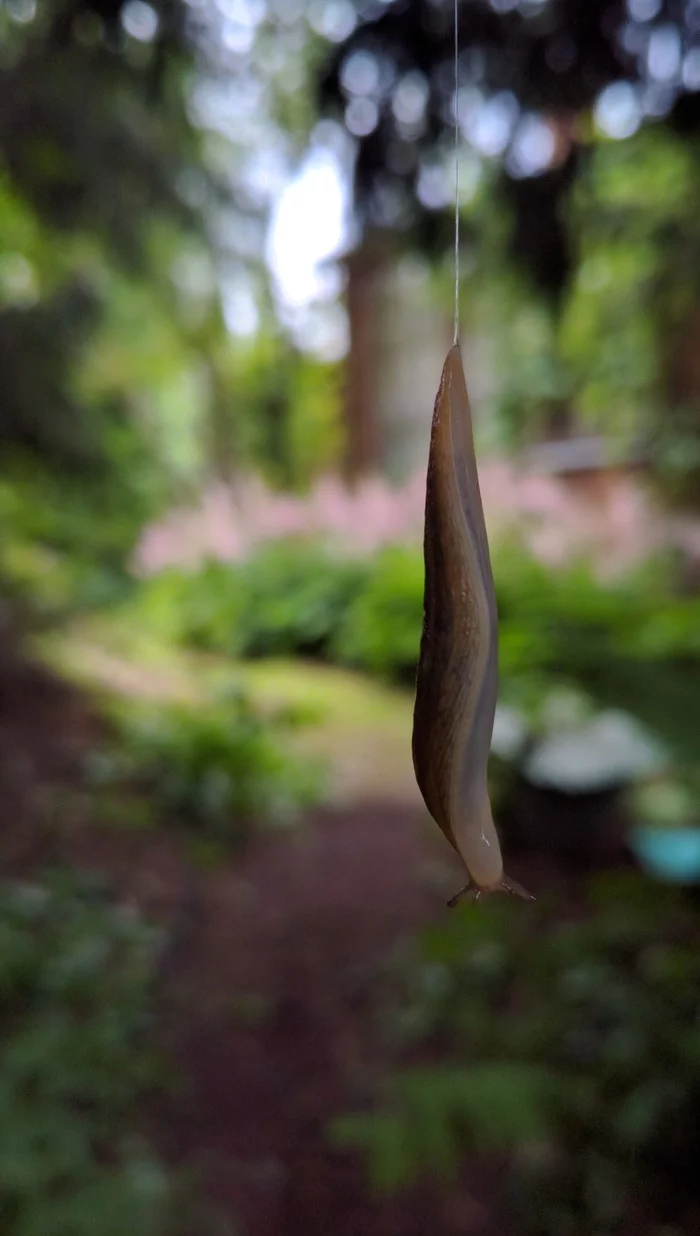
[[634, 642], [572, 619], [288, 599], [572, 1046], [200, 609], [551, 621], [381, 629], [296, 595], [65, 537], [46, 585], [218, 772], [75, 991]]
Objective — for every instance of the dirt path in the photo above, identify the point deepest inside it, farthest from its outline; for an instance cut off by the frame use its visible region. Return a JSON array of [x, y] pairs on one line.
[[268, 1000], [274, 1027], [268, 1016]]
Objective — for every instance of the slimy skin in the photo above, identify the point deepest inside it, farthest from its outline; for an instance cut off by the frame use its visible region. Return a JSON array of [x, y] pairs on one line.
[[457, 682]]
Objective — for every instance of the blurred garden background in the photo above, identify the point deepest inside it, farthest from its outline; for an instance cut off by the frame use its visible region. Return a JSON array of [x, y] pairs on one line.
[[232, 998]]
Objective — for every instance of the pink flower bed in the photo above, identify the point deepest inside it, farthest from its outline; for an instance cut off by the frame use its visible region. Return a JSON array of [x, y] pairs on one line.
[[555, 523]]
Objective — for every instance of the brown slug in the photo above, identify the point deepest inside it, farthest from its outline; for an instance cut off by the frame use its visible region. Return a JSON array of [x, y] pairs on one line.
[[457, 681]]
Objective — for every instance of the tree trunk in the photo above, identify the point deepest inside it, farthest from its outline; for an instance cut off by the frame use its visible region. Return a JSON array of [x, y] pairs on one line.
[[364, 269]]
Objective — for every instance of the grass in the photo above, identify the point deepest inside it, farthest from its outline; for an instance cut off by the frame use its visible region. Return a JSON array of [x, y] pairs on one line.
[[362, 728]]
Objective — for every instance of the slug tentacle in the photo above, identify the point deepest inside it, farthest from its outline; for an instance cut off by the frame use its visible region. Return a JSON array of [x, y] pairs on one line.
[[471, 892], [457, 679], [515, 889]]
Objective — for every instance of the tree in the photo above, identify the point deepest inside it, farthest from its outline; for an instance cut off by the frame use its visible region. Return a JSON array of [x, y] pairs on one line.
[[530, 73]]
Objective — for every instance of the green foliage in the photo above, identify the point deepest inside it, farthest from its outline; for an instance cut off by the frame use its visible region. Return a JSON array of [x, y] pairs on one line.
[[99, 361], [634, 642], [668, 802], [294, 597], [200, 609], [573, 1046], [105, 170], [381, 629], [607, 357], [297, 593], [638, 239], [315, 434], [289, 598], [218, 772], [674, 445], [62, 546], [428, 1112], [530, 379], [567, 618], [75, 990], [287, 411]]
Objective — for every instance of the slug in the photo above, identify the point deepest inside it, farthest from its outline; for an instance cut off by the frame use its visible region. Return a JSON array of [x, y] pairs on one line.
[[457, 680]]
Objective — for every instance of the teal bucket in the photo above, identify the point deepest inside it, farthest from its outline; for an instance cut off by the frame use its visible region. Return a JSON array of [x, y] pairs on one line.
[[671, 854]]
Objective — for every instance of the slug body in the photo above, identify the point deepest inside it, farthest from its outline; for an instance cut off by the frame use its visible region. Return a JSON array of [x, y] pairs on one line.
[[457, 680]]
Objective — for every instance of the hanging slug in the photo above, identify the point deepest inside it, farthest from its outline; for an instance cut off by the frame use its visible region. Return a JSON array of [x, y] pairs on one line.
[[457, 679]]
